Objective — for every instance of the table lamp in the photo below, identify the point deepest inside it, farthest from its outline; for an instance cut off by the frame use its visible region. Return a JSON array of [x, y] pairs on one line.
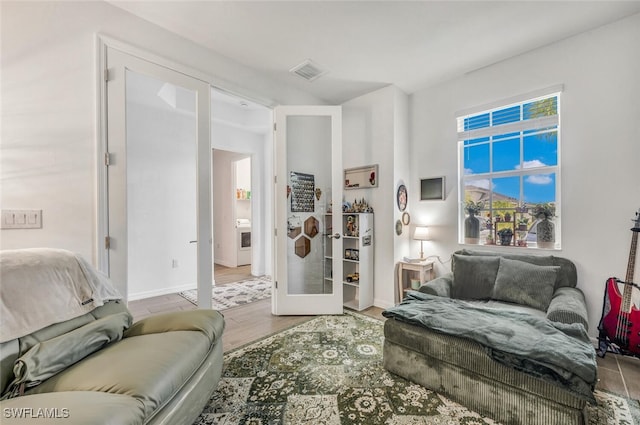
[[421, 234]]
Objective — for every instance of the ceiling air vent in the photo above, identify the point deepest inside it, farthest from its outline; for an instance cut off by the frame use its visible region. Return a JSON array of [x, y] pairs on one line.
[[308, 70]]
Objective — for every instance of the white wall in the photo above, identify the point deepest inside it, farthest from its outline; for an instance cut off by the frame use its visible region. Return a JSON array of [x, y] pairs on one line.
[[49, 102], [600, 146], [373, 134]]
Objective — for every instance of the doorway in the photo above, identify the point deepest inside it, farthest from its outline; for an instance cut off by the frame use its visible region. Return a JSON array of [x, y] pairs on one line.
[[242, 152]]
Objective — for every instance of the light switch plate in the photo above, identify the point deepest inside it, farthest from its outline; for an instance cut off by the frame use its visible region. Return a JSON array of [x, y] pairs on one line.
[[21, 219]]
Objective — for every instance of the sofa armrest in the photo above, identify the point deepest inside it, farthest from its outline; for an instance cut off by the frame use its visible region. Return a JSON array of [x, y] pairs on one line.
[[440, 286], [568, 306], [209, 322]]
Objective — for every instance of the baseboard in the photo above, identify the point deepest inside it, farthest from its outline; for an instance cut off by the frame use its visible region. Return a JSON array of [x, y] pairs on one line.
[[163, 291], [224, 263], [382, 304]]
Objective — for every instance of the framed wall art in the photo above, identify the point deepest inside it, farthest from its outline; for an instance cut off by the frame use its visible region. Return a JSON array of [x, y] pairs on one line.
[[361, 177]]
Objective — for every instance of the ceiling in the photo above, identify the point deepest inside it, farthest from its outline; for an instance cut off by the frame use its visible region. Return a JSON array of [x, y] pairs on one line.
[[366, 45]]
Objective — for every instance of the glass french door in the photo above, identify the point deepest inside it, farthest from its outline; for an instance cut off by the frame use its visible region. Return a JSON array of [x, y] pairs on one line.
[[308, 204], [158, 178]]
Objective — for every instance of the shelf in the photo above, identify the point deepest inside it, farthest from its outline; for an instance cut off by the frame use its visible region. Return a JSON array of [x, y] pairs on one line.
[[329, 279], [350, 237], [350, 261], [356, 284]]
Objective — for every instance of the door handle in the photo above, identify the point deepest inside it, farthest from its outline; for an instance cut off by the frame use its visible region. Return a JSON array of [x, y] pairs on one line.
[[193, 241], [334, 236]]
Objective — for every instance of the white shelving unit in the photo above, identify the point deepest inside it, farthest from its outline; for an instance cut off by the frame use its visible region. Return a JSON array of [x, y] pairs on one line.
[[357, 259]]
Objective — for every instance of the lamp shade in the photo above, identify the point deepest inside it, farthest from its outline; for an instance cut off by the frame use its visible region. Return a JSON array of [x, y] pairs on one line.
[[421, 233]]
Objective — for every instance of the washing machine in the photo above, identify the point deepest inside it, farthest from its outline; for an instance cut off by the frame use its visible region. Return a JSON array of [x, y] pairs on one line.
[[243, 230]]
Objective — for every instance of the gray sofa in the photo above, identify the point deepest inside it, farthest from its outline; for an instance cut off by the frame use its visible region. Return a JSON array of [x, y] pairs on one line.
[[504, 335], [97, 367]]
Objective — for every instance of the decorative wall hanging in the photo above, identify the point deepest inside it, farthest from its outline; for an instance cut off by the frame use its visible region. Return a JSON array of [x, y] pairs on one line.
[[311, 226], [361, 177], [302, 246], [398, 227], [406, 218], [401, 197], [302, 192], [318, 193], [294, 227]]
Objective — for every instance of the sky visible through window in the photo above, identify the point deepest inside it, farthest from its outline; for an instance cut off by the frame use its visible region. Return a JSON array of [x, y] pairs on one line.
[[490, 157]]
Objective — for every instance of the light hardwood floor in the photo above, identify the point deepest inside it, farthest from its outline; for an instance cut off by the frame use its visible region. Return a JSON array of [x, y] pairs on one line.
[[253, 321]]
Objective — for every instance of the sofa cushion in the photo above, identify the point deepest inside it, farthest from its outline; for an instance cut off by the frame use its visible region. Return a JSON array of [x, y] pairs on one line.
[[473, 277], [150, 368], [567, 275], [49, 357], [525, 283]]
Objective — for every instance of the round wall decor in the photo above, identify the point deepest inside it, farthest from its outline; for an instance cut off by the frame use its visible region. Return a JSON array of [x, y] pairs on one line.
[[398, 227], [406, 218], [401, 197]]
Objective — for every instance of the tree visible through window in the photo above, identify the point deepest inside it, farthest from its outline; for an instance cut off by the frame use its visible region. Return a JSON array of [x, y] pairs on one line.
[[509, 164]]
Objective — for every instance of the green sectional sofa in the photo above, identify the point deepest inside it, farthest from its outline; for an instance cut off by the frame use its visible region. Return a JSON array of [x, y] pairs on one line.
[[504, 335]]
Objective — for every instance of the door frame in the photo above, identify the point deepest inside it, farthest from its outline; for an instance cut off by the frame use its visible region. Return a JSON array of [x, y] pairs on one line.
[[203, 173], [296, 304]]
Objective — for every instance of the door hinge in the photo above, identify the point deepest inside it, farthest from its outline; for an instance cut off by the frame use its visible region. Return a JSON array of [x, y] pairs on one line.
[[275, 232], [274, 127], [275, 179], [107, 159], [106, 74], [107, 242], [276, 284]]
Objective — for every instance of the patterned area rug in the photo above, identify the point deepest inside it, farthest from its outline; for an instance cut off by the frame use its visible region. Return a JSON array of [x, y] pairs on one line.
[[234, 294], [329, 371]]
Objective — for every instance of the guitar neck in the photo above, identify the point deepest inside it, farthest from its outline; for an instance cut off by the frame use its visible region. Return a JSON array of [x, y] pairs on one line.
[[626, 296]]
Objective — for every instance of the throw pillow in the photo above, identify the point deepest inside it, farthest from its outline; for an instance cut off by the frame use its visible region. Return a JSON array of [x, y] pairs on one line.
[[525, 283], [474, 277]]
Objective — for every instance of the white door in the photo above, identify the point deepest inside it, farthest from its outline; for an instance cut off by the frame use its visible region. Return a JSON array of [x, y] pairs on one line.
[[158, 178], [308, 186]]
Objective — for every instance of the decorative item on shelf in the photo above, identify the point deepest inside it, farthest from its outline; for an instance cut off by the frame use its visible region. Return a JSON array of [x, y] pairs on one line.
[[358, 206], [507, 216], [421, 234], [489, 240], [347, 254], [352, 226], [472, 223], [415, 284], [522, 208], [353, 277], [505, 236], [355, 254], [545, 229]]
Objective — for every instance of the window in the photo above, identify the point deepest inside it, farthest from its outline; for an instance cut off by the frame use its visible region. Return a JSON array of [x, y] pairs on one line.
[[509, 168]]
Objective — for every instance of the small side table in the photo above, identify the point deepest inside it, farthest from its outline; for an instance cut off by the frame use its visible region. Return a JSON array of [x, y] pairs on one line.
[[424, 270]]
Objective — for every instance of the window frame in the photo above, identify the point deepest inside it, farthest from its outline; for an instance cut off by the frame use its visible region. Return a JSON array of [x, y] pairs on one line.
[[524, 128]]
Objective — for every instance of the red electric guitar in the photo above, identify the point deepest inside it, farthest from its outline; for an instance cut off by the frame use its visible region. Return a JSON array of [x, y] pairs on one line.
[[620, 323]]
